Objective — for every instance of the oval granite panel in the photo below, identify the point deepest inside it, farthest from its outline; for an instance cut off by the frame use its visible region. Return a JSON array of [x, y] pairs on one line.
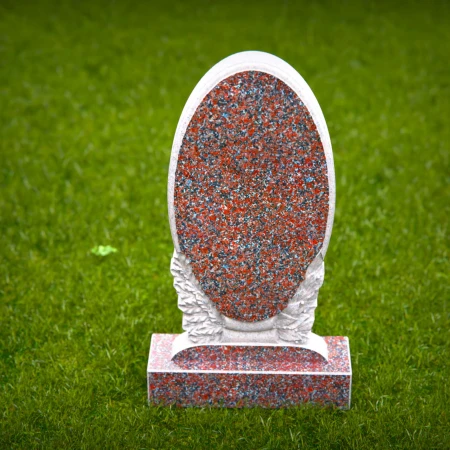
[[251, 195]]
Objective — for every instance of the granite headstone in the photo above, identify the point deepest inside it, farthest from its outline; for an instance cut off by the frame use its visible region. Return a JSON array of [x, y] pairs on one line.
[[251, 200]]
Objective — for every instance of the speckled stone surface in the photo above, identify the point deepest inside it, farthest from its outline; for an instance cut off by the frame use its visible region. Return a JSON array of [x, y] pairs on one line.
[[251, 195], [270, 377]]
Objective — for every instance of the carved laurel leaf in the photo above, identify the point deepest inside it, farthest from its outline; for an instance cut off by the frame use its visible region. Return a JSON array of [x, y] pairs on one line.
[[295, 322], [200, 318]]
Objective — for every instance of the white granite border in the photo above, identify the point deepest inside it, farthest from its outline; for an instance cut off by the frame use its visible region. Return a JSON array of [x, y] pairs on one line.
[[263, 62]]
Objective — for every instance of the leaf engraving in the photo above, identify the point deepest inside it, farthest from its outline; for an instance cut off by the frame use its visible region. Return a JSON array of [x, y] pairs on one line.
[[201, 319], [295, 322]]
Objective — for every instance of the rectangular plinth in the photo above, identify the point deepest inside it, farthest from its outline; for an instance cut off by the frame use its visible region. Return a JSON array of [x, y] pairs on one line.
[[270, 377]]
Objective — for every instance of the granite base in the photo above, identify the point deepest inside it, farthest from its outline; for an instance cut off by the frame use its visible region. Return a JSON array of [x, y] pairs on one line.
[[248, 376]]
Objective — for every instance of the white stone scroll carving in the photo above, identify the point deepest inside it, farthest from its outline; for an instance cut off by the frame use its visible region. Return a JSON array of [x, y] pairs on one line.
[[204, 324], [201, 319], [295, 322]]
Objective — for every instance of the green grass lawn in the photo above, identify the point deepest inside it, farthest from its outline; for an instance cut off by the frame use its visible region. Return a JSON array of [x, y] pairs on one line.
[[90, 97]]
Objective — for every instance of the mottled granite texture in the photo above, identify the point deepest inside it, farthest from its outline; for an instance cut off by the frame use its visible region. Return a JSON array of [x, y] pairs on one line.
[[270, 377], [251, 195]]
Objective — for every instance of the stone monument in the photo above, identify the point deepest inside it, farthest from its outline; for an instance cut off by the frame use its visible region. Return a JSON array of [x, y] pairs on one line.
[[251, 203]]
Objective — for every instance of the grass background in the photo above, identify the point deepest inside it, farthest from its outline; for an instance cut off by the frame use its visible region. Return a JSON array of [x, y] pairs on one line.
[[90, 96]]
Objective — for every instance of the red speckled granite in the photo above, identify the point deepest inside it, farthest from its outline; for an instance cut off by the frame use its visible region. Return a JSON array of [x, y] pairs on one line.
[[251, 195], [270, 377]]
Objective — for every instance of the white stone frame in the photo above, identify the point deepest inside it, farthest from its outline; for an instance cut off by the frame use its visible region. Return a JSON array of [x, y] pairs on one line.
[[264, 332], [263, 62]]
